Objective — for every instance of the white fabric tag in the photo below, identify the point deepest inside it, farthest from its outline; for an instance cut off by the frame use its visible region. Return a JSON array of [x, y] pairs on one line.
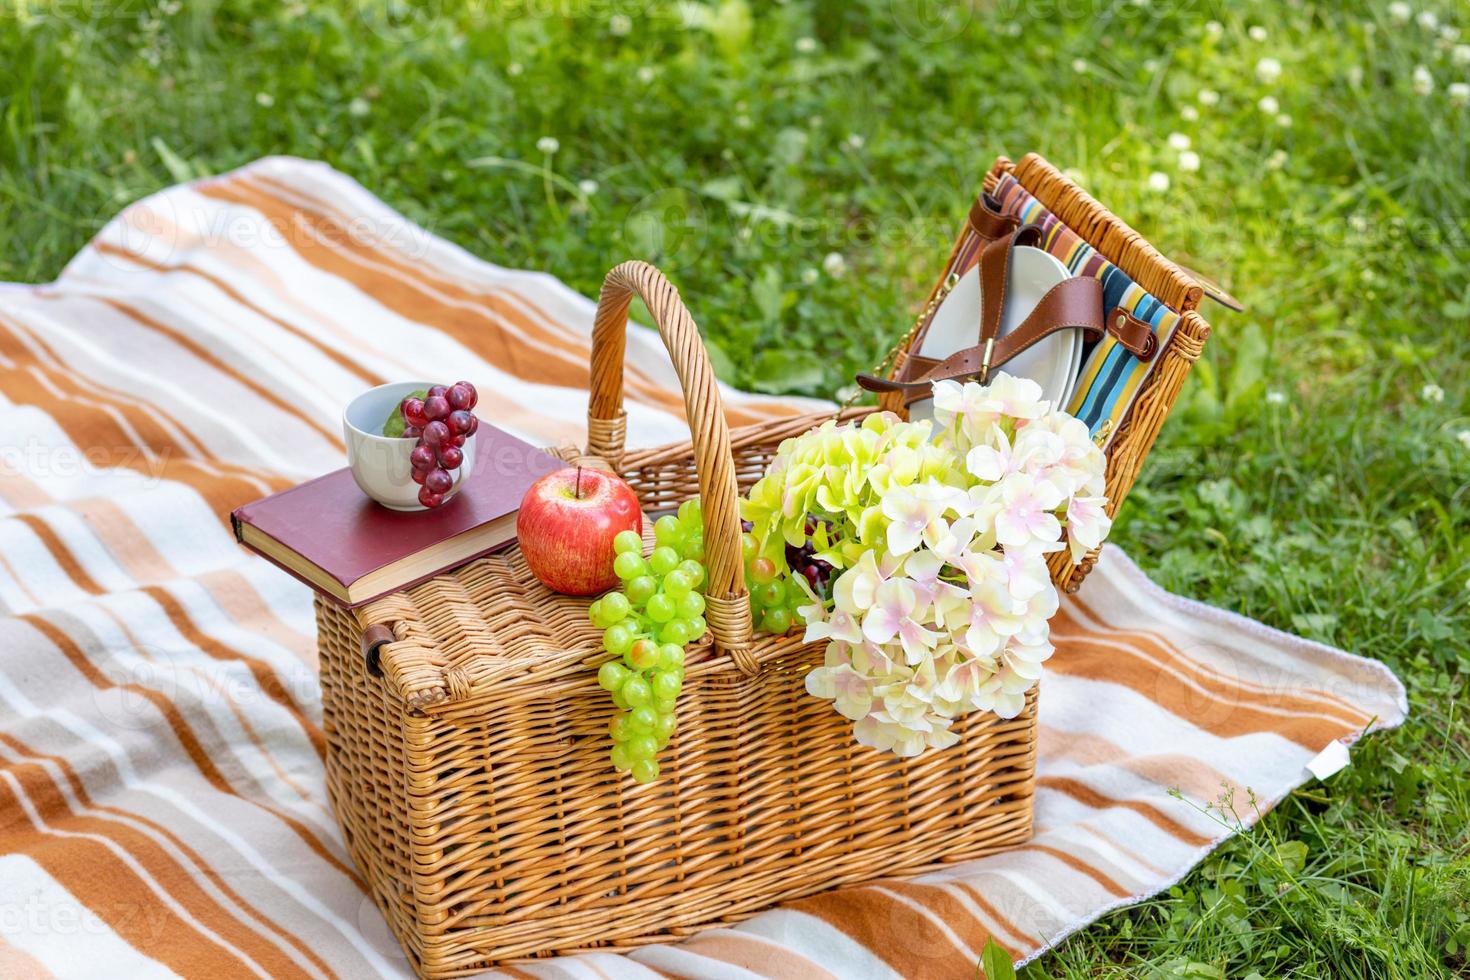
[[1329, 760]]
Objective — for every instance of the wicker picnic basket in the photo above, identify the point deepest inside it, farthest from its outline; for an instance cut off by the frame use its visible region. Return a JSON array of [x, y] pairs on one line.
[[467, 736]]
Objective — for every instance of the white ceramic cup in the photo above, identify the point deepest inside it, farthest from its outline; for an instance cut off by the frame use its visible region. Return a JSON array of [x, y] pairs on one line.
[[380, 465]]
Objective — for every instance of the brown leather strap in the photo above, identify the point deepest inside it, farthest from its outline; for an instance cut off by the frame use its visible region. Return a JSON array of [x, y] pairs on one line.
[[1072, 303], [372, 638], [987, 222], [1136, 336]]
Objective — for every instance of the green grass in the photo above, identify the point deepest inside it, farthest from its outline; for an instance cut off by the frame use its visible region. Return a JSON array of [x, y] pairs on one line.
[[739, 146]]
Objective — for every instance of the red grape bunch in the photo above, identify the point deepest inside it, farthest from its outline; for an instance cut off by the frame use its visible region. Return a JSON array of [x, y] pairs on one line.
[[441, 420]]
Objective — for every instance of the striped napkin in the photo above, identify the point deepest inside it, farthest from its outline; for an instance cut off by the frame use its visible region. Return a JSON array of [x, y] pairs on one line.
[[161, 783], [1111, 376]]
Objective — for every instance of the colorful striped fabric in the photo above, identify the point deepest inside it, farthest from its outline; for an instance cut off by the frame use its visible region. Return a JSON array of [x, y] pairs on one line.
[[1111, 376], [162, 807]]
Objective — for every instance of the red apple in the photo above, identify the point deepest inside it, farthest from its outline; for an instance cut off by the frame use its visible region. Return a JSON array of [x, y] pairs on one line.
[[566, 526]]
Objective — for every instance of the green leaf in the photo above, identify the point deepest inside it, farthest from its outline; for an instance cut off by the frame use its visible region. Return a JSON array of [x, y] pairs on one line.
[[780, 371], [731, 26], [1293, 855], [995, 964], [394, 425], [726, 188], [769, 294], [1247, 381], [178, 168]]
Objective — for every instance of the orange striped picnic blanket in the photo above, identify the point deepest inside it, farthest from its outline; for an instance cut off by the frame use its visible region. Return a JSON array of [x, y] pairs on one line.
[[162, 807]]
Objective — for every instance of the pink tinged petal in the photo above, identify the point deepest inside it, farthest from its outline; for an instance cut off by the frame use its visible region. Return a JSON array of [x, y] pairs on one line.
[[820, 683], [1009, 705], [845, 627], [907, 745], [853, 699], [880, 625], [873, 733]]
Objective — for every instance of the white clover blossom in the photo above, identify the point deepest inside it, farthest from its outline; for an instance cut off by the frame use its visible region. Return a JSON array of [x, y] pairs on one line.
[[1189, 161], [938, 534], [1428, 20], [1209, 97], [1189, 113], [1432, 393], [1459, 93], [1179, 141], [1461, 54], [1400, 12], [1158, 182], [1464, 437], [1268, 70], [834, 265], [548, 144], [1269, 105], [1423, 81]]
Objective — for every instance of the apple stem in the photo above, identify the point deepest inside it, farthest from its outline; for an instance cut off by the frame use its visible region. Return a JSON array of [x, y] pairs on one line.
[[577, 491]]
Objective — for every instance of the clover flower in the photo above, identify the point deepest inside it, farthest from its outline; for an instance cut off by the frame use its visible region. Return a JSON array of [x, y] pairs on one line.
[[938, 535]]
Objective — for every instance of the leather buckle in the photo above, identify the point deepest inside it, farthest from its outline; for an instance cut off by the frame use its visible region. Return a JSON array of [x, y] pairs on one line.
[[1136, 336]]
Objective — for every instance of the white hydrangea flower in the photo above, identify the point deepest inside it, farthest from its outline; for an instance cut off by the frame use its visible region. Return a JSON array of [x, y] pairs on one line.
[[941, 599]]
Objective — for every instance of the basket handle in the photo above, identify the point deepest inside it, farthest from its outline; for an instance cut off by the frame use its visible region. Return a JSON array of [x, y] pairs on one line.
[[727, 603]]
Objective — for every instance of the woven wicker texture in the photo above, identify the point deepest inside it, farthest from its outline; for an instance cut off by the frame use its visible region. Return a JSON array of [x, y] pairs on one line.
[[470, 771]]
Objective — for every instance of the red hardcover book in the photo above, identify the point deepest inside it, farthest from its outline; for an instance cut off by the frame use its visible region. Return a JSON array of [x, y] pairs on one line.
[[327, 533]]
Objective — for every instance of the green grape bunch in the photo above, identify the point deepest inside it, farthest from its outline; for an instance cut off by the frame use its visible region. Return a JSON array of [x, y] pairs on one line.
[[775, 592], [657, 610]]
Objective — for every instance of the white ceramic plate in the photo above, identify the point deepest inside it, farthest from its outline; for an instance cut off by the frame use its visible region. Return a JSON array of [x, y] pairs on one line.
[[1054, 363]]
